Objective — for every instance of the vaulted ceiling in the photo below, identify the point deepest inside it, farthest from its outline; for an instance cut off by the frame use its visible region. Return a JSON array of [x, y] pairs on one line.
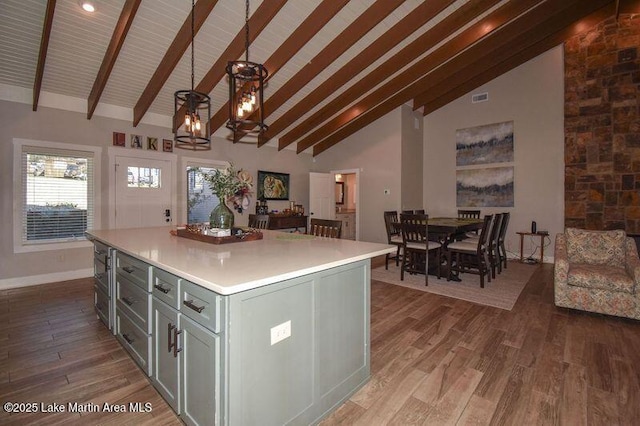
[[334, 65]]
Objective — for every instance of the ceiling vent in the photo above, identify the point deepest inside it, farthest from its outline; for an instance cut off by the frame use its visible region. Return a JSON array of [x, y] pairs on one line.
[[479, 97]]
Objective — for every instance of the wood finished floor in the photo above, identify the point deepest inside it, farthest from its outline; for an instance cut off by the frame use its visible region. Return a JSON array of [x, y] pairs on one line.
[[434, 360]]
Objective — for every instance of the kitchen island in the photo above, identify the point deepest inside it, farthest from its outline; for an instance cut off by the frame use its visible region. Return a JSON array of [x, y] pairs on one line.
[[269, 332]]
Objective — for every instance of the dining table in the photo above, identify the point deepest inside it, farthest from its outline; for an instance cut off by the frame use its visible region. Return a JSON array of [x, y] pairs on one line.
[[448, 229]]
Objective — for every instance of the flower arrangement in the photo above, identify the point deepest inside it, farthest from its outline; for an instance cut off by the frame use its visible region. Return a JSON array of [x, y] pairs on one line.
[[231, 185]]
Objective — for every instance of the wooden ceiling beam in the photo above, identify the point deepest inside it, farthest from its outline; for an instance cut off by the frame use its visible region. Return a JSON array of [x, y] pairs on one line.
[[347, 38], [422, 14], [535, 25], [120, 31], [457, 44], [172, 56], [317, 19], [448, 92], [257, 22], [44, 46]]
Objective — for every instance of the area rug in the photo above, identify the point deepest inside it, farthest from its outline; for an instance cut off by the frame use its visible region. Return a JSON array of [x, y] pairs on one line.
[[502, 292]]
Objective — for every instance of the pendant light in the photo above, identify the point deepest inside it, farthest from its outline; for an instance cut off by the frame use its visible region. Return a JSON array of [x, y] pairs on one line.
[[246, 92], [193, 134]]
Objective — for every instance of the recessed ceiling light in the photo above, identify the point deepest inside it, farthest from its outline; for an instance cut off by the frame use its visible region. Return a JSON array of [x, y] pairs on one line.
[[88, 5]]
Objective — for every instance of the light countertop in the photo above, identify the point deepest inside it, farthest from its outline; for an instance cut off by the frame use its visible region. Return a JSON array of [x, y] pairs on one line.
[[232, 268]]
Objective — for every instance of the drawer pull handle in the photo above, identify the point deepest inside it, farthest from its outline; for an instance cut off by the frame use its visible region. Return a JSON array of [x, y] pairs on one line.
[[190, 304], [169, 344], [128, 269], [127, 338], [128, 301], [162, 289], [175, 342]]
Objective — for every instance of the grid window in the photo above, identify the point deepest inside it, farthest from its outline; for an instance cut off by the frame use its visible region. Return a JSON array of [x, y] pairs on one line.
[[57, 202]]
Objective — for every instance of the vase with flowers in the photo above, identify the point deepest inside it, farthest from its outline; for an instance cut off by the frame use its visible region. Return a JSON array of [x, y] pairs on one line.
[[229, 185]]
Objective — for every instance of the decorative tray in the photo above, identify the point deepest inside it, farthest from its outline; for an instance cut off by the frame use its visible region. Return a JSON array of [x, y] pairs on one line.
[[238, 235]]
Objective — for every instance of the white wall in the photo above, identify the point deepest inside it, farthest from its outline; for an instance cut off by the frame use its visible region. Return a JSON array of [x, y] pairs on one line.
[[531, 95], [412, 153], [376, 151], [17, 120]]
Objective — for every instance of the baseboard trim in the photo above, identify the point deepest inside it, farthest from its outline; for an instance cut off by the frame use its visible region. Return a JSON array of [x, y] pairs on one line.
[[9, 283]]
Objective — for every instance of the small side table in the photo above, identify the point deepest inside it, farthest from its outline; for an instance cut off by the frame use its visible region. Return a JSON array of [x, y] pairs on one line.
[[522, 235]]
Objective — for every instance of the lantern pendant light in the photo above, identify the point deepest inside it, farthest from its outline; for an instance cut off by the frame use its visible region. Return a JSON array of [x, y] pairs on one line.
[[193, 134], [246, 92]]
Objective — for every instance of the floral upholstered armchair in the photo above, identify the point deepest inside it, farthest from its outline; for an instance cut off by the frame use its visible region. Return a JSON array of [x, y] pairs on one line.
[[597, 271]]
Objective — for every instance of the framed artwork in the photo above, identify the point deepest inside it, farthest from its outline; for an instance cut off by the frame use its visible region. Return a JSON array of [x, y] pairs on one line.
[[119, 139], [273, 186], [167, 145], [490, 143], [136, 141], [152, 143], [489, 187]]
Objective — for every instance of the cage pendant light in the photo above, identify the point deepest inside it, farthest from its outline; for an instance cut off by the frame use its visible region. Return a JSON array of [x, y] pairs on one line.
[[193, 134], [246, 92]]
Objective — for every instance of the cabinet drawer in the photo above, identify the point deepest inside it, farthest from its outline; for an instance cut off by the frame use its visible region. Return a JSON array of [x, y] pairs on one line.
[[136, 271], [166, 287], [102, 306], [101, 252], [101, 275], [134, 301], [134, 340], [201, 305]]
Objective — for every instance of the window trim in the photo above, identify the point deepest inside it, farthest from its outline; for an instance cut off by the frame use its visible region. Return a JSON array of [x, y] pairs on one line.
[[19, 190], [193, 162]]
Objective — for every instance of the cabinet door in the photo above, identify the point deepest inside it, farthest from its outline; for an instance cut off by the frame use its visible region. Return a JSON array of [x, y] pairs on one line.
[[200, 371], [166, 368]]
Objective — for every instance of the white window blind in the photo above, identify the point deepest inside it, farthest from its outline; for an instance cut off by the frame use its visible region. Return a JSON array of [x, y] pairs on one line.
[[58, 199]]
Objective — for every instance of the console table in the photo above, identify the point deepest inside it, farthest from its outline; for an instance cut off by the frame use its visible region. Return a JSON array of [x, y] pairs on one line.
[[287, 222], [541, 235]]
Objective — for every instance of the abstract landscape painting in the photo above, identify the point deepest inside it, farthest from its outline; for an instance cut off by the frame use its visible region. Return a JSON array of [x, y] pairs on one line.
[[490, 187], [491, 143]]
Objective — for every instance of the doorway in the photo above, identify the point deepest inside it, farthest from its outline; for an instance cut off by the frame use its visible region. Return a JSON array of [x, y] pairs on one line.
[[142, 190]]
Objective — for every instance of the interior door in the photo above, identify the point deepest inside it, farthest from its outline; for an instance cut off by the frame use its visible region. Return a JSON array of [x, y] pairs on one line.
[[322, 196], [142, 192]]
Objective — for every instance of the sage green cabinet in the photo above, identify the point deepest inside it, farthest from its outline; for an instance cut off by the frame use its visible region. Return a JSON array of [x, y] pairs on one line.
[[166, 369], [187, 353], [104, 302], [200, 395]]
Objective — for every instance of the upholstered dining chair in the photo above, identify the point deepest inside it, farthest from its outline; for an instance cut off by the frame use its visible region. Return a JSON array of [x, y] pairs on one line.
[[325, 228], [469, 214], [502, 251], [259, 221], [394, 236], [470, 255], [492, 244], [416, 246]]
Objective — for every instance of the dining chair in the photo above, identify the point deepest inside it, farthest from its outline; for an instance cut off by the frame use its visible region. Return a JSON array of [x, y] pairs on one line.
[[421, 211], [471, 256], [502, 251], [469, 214], [407, 211], [259, 221], [416, 246], [492, 244], [325, 228], [394, 235]]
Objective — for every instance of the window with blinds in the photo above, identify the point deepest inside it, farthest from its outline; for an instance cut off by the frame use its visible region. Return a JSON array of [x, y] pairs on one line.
[[58, 198]]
